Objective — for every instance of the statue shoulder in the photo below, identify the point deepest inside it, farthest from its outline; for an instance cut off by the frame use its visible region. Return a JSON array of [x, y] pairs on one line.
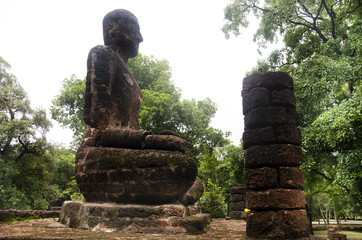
[[101, 52]]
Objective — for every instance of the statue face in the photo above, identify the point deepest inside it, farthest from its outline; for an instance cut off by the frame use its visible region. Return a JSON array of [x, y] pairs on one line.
[[125, 35], [129, 36]]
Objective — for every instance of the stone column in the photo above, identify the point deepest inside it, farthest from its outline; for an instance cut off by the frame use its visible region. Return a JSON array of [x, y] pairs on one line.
[[238, 202], [273, 155]]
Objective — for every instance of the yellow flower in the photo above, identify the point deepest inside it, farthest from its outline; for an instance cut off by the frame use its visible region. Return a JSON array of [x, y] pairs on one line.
[[246, 210]]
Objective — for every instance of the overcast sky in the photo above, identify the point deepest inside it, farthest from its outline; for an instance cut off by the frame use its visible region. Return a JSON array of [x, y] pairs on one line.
[[47, 41]]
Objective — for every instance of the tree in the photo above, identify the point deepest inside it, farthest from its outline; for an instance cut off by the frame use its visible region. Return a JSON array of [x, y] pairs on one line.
[[25, 156], [322, 52]]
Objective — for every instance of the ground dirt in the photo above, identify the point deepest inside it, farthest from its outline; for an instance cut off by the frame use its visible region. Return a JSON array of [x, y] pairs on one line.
[[51, 229]]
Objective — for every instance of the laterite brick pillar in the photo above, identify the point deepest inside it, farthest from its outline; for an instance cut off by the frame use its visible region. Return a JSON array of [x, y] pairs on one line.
[[273, 155], [238, 202]]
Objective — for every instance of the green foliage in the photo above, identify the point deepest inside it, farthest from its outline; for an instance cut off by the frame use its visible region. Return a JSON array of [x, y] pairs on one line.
[[153, 75], [63, 176], [212, 200], [224, 168], [72, 191], [10, 196], [9, 220], [322, 53], [67, 107], [26, 158]]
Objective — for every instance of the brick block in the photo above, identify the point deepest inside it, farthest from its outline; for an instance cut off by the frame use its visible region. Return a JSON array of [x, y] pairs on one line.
[[275, 199], [271, 80], [255, 97], [259, 178], [283, 97], [290, 177], [288, 134], [259, 136], [237, 206], [284, 224], [239, 189], [270, 116], [273, 155], [237, 197]]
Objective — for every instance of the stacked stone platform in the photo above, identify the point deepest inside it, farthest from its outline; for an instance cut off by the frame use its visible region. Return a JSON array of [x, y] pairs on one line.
[[133, 218], [273, 155], [238, 202]]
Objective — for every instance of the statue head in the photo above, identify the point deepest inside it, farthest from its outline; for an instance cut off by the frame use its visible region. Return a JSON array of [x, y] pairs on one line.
[[121, 32]]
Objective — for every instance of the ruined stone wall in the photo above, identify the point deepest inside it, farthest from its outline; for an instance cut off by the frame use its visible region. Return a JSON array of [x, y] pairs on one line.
[[273, 155]]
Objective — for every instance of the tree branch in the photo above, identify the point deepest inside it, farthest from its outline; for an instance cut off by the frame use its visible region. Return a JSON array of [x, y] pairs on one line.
[[330, 179], [259, 8], [25, 151], [332, 15], [306, 9]]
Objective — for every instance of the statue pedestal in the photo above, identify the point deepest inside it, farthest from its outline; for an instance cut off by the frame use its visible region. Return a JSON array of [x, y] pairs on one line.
[[132, 218]]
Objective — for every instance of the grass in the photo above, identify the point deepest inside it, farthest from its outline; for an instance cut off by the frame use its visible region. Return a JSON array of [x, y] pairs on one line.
[[19, 219], [350, 234]]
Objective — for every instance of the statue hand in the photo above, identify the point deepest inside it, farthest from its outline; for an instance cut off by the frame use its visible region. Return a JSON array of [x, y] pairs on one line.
[[167, 142]]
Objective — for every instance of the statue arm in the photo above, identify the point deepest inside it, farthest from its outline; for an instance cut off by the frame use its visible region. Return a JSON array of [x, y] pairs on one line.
[[97, 97]]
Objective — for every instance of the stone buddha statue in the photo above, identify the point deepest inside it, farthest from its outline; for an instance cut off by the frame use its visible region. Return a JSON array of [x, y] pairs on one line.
[[113, 97], [118, 162]]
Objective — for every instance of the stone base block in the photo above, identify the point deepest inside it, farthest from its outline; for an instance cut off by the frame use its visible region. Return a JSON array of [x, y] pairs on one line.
[[286, 155], [260, 178], [130, 176], [283, 224], [132, 218], [237, 206], [237, 215], [274, 199], [239, 189]]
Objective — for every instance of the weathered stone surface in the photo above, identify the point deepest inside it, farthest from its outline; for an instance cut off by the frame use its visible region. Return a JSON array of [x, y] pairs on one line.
[[271, 80], [290, 177], [270, 116], [240, 189], [167, 142], [124, 138], [261, 178], [237, 215], [131, 218], [197, 224], [193, 194], [273, 155], [259, 136], [237, 206], [133, 176], [288, 134], [112, 94], [256, 97], [193, 210], [283, 97], [274, 199], [237, 198], [283, 224]]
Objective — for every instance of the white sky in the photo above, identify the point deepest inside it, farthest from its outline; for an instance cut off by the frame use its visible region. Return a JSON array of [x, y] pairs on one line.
[[47, 41]]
